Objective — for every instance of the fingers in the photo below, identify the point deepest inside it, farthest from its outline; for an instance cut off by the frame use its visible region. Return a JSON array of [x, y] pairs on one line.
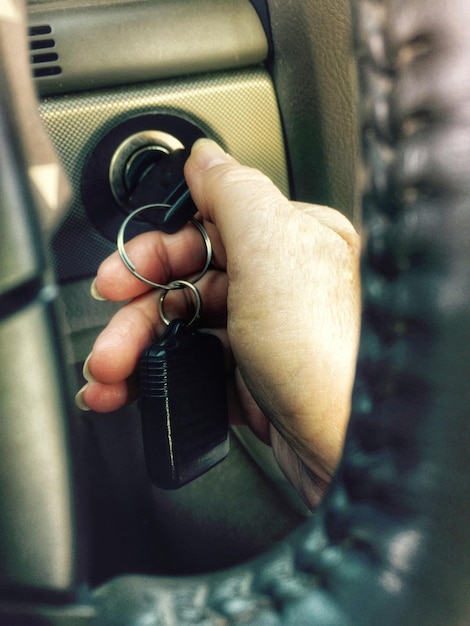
[[244, 204], [117, 349], [157, 256], [235, 198], [105, 398], [116, 352]]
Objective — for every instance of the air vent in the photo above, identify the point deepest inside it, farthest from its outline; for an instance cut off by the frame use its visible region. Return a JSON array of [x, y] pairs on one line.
[[44, 58]]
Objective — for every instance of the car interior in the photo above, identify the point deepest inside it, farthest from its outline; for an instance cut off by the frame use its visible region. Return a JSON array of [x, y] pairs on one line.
[[346, 106]]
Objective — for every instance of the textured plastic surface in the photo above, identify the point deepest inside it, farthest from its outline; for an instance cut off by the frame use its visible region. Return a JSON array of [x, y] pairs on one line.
[[238, 109], [183, 405], [104, 43]]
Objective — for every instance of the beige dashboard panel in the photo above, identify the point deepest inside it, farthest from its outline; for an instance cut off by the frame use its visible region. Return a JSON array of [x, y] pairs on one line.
[[78, 45], [239, 109]]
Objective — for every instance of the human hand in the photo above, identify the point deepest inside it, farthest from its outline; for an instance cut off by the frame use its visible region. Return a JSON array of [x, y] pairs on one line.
[[283, 296]]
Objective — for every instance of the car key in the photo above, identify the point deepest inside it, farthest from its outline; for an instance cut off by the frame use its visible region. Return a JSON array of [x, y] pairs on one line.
[[183, 405], [177, 208], [180, 211], [183, 401]]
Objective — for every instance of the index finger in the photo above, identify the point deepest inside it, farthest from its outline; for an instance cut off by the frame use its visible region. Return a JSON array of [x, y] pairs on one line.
[[157, 256]]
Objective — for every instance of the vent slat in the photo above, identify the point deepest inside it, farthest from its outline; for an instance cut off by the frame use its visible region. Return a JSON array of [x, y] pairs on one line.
[[40, 44], [45, 57], [42, 72], [35, 31]]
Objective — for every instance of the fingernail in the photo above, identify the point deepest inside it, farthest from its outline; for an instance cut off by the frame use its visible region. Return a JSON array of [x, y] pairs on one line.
[[87, 375], [206, 154], [79, 401], [95, 293]]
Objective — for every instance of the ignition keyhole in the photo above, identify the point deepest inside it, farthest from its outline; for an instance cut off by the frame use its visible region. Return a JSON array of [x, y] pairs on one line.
[[145, 168], [138, 162], [140, 165]]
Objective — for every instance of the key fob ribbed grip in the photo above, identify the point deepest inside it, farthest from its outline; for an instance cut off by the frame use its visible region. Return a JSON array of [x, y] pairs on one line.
[[183, 405]]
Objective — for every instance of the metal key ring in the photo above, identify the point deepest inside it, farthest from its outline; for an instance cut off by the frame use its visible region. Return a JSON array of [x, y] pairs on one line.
[[131, 267], [181, 284]]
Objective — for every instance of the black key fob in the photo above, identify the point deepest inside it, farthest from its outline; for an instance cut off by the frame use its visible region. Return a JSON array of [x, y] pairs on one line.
[[183, 405]]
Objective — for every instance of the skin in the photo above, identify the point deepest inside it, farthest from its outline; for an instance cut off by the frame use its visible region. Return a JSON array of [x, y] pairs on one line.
[[283, 296]]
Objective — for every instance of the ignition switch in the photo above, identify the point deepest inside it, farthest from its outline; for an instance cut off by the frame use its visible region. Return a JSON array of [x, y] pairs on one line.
[[145, 168], [138, 162]]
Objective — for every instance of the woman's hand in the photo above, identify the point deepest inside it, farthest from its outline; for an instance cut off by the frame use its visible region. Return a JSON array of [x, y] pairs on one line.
[[283, 296]]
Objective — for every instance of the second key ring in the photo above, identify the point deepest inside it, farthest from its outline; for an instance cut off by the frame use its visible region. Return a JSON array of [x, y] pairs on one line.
[[181, 284], [131, 267]]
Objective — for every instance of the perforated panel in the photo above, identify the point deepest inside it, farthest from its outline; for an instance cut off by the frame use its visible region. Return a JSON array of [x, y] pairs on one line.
[[238, 109]]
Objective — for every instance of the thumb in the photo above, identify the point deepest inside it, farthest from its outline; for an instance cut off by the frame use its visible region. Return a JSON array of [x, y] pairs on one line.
[[234, 197]]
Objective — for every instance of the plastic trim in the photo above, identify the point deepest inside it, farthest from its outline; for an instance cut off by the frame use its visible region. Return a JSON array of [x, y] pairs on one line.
[[116, 43]]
